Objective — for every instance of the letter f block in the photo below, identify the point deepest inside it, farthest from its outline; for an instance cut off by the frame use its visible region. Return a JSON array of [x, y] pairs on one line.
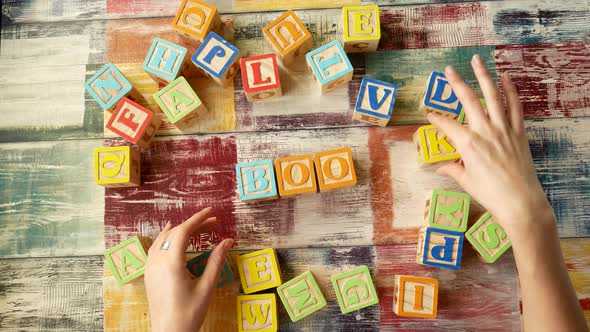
[[361, 31], [488, 238], [375, 101], [117, 166], [259, 270], [440, 248], [288, 37], [257, 313], [330, 66], [415, 296], [256, 181], [134, 123], [196, 19], [439, 97], [354, 289]]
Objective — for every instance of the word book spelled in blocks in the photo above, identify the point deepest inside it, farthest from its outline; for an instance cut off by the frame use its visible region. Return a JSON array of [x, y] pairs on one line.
[[196, 19], [127, 259], [375, 101], [354, 289], [134, 123], [488, 238], [259, 270], [108, 86], [256, 181], [335, 169], [117, 166], [197, 265], [166, 61], [257, 313], [362, 30], [295, 175], [447, 210], [260, 77], [288, 37], [440, 248], [301, 296], [433, 147], [179, 102], [415, 296], [439, 97], [330, 66], [218, 59]]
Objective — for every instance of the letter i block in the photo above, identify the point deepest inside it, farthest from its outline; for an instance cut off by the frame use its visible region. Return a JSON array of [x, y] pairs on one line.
[[330, 66], [447, 210], [433, 147], [362, 30], [260, 77], [295, 175], [257, 313], [488, 238], [440, 248], [127, 259], [134, 123], [256, 181], [117, 166], [439, 97], [179, 102], [196, 19], [415, 296], [108, 86], [375, 101], [259, 270], [301, 296], [354, 289], [335, 169], [288, 37], [197, 265], [166, 61], [217, 59]]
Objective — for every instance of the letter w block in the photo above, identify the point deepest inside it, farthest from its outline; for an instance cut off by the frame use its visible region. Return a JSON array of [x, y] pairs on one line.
[[301, 296], [257, 313]]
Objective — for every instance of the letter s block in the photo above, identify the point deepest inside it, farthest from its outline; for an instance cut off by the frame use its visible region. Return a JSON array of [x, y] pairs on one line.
[[117, 166], [108, 86], [196, 19], [288, 37], [447, 210], [362, 30], [440, 248], [257, 313], [415, 296], [166, 61], [256, 181], [488, 238], [197, 265], [354, 289], [375, 101], [260, 77], [127, 259], [134, 123], [259, 270], [301, 296], [335, 169], [217, 59], [433, 147], [330, 66], [439, 97], [179, 102], [295, 175]]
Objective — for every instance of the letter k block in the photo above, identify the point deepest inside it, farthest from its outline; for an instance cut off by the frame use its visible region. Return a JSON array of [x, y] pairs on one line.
[[256, 181], [259, 270], [440, 248], [354, 289]]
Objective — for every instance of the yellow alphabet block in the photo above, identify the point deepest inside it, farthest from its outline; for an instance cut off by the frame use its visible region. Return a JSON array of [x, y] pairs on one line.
[[434, 147], [117, 166], [259, 270], [362, 30], [257, 313]]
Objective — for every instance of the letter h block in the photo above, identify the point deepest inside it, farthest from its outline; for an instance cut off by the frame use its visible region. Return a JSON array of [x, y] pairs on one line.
[[197, 265], [127, 259], [134, 123], [488, 238], [362, 30], [354, 289], [259, 270], [166, 61], [433, 147], [117, 166], [447, 210], [301, 296], [288, 37], [257, 313], [179, 102], [330, 66], [217, 59], [108, 86], [335, 169], [440, 248], [256, 181], [295, 175], [415, 296], [196, 19], [375, 101], [439, 97], [260, 77]]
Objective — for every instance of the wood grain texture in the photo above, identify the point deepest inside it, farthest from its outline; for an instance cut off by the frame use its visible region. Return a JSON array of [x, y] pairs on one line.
[[576, 254]]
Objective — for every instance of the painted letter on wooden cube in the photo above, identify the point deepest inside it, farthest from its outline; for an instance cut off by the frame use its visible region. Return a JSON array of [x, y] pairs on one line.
[[361, 31], [415, 296], [133, 122], [260, 77], [295, 175], [218, 59], [488, 238], [330, 66], [288, 37], [259, 270], [108, 86], [166, 61], [179, 102], [301, 296], [197, 265], [117, 166], [375, 101], [196, 19], [257, 313], [440, 248], [256, 181], [335, 169], [439, 97], [447, 210], [354, 289], [433, 146], [127, 259]]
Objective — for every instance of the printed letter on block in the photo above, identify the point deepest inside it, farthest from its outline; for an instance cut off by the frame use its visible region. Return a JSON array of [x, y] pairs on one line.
[[257, 313], [433, 147], [259, 270], [196, 19], [295, 175], [288, 37], [415, 296], [488, 238], [166, 61], [108, 86], [197, 265], [447, 210], [179, 102], [301, 296], [133, 122], [218, 59], [439, 97], [354, 289], [260, 77], [256, 181], [440, 248], [117, 166], [361, 31], [335, 169], [330, 66], [375, 101], [127, 259]]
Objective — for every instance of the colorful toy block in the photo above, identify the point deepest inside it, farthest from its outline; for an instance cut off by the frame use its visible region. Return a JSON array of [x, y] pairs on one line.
[[257, 313], [488, 238], [330, 66], [375, 101], [440, 248], [134, 123], [301, 296], [361, 31], [260, 77], [335, 169], [117, 166], [295, 175], [179, 102], [354, 289], [288, 37], [217, 59], [166, 61], [447, 210], [415, 296], [127, 259], [259, 270], [196, 19], [108, 86], [434, 148], [197, 265], [256, 181], [439, 97]]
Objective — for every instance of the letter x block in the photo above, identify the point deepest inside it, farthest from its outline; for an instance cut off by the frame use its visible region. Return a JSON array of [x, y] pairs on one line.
[[196, 19], [488, 238], [127, 259], [415, 296], [301, 296], [108, 86], [335, 169], [447, 210], [257, 313], [259, 270], [362, 30], [117, 166], [134, 123], [330, 66], [439, 97], [166, 61], [256, 181], [260, 77], [197, 265], [217, 59], [440, 248], [179, 102], [434, 148], [354, 289], [375, 101], [288, 37], [295, 175]]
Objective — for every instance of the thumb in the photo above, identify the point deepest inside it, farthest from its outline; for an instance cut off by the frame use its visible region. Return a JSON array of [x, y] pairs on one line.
[[214, 267], [455, 171]]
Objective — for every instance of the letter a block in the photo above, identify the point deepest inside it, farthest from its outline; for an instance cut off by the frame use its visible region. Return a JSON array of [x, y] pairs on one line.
[[354, 289], [197, 265], [362, 30], [433, 147], [335, 169], [415, 296], [330, 66], [196, 19], [179, 102], [134, 123], [447, 210], [108, 86], [295, 175], [256, 181], [301, 296], [440, 248], [117, 166], [127, 259], [166, 61], [260, 77], [439, 97], [488, 238], [288, 37], [257, 313], [217, 59], [259, 270], [375, 101]]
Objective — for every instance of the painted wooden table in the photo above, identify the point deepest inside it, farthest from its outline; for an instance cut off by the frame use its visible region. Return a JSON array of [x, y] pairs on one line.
[[55, 222]]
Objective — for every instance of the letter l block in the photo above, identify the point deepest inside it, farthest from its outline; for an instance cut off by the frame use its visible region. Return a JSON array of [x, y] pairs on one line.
[[354, 289], [260, 77], [256, 181]]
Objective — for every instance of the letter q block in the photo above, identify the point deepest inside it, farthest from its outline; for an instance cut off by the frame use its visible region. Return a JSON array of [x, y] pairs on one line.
[[488, 238], [354, 289], [117, 166], [375, 101], [288, 37], [301, 296], [433, 147], [108, 86], [439, 97], [295, 175], [127, 259], [257, 313], [196, 19], [134, 123], [260, 77], [335, 169], [447, 210], [415, 296], [217, 59], [259, 270], [362, 30], [330, 66], [166, 61], [179, 102], [256, 181], [440, 248]]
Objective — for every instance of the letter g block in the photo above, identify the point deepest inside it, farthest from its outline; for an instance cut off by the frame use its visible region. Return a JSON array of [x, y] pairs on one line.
[[256, 181]]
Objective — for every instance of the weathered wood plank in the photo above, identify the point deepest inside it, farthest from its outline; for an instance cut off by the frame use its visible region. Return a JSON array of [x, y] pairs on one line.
[[577, 259]]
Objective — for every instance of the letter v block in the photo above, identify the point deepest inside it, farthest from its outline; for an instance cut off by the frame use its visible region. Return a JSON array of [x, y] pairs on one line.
[[440, 248], [335, 169], [354, 289], [195, 19], [197, 265], [295, 175], [108, 86], [488, 238], [166, 61], [361, 31], [439, 97], [260, 77], [217, 59], [433, 147], [301, 296], [447, 210], [127, 259], [330, 66], [179, 102], [415, 296], [288, 37], [375, 101], [257, 313], [117, 166], [256, 181], [259, 270], [134, 123]]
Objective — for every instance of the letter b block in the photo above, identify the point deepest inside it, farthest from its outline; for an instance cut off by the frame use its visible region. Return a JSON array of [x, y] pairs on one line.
[[117, 166], [362, 30], [301, 296], [260, 77], [439, 97], [354, 289], [196, 19], [288, 37], [335, 169], [488, 238], [295, 175], [330, 66], [133, 122], [127, 259], [259, 270], [440, 248], [447, 210], [256, 181], [433, 147], [415, 296], [166, 61], [217, 59], [108, 86], [257, 313], [375, 101], [179, 102]]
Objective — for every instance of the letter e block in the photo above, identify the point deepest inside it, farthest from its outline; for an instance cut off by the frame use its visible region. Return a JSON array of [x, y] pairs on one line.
[[440, 248], [108, 86], [260, 77], [415, 296], [196, 19], [259, 270], [447, 210], [375, 101], [362, 30], [295, 175], [133, 122], [257, 313], [335, 169], [434, 147], [166, 61], [288, 37], [117, 166], [197, 265], [439, 97], [127, 259], [330, 66], [256, 181], [179, 102], [217, 59], [301, 296], [354, 289], [488, 238]]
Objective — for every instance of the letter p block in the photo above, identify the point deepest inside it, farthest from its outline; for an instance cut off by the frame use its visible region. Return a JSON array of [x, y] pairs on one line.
[[440, 248], [415, 296], [488, 238], [259, 270], [256, 181], [301, 296], [117, 166], [354, 289], [439, 97]]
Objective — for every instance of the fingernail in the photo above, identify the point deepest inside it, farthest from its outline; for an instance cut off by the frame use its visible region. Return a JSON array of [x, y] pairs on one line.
[[228, 243], [450, 70], [477, 59]]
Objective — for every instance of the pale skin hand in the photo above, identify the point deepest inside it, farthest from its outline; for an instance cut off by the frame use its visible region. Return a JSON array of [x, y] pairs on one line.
[[178, 302], [498, 172]]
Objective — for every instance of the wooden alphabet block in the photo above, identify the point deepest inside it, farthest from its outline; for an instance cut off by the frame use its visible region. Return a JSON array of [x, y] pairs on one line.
[[439, 97], [166, 61], [488, 238], [133, 122], [256, 181], [108, 86], [362, 30], [295, 175], [375, 101], [127, 259], [447, 210], [440, 248], [415, 296], [330, 66], [335, 169], [179, 102], [301, 296], [196, 19], [260, 77], [434, 147], [354, 289], [217, 59], [288, 37], [259, 270], [197, 265], [257, 313], [117, 166]]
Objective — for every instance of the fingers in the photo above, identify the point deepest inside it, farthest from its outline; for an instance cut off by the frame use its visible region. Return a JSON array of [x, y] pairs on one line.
[[467, 97], [490, 91], [458, 134], [457, 172], [214, 267], [513, 104]]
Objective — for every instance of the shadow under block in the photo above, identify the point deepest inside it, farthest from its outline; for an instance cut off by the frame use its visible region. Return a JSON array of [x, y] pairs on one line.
[[288, 37], [375, 102], [127, 259], [260, 77], [217, 59], [295, 175], [361, 30], [335, 169], [166, 61], [354, 289], [197, 264], [134, 123], [447, 210], [259, 270], [301, 296], [439, 97], [196, 19], [415, 296], [179, 102], [488, 238], [108, 86], [330, 66], [440, 248], [257, 313], [433, 147], [256, 181], [117, 166]]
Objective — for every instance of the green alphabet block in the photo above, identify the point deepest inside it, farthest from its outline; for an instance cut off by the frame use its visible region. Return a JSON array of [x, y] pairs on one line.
[[127, 259], [301, 296], [354, 289], [447, 210], [488, 238]]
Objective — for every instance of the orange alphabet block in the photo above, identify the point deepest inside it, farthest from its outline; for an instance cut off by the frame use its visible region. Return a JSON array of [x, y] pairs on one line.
[[335, 169], [288, 37], [196, 19], [295, 175], [415, 296]]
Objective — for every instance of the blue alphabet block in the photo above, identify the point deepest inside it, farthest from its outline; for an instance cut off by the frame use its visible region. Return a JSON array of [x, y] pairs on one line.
[[256, 181], [440, 248], [218, 59], [439, 97], [375, 102], [108, 86], [330, 65], [197, 265], [165, 61]]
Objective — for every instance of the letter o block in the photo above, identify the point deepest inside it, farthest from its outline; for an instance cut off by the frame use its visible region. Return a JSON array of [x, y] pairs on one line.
[[301, 296], [257, 313], [375, 101], [295, 175], [288, 37], [179, 102], [354, 289], [256, 181], [439, 97], [488, 238], [195, 19], [415, 296], [440, 248], [127, 259], [447, 210], [361, 31], [330, 66], [259, 270], [134, 123], [335, 169], [108, 86], [260, 77], [217, 59], [433, 147], [117, 166]]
